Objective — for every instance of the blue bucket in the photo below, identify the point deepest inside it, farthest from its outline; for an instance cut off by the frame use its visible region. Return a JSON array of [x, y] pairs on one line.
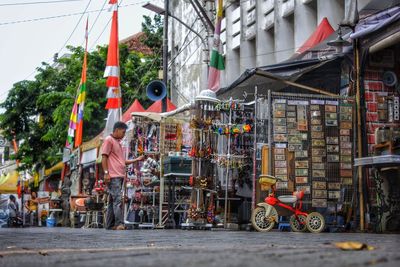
[[50, 222]]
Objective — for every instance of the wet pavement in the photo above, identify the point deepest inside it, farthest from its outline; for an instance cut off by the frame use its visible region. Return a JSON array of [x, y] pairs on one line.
[[98, 247]]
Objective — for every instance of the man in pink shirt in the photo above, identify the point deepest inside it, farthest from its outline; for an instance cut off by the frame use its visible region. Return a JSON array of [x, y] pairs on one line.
[[113, 163]]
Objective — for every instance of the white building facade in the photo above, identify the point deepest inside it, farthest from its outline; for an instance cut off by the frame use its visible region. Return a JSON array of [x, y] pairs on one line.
[[254, 33]]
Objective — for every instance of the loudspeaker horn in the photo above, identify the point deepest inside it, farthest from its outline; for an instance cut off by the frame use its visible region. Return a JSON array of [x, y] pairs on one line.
[[156, 90]]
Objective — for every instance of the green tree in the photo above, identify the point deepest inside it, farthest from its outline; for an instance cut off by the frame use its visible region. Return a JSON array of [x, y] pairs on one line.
[[38, 111]]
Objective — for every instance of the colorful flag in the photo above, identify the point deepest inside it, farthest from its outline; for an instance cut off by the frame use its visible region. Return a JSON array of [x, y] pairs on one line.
[[76, 118], [114, 101], [82, 94], [217, 60]]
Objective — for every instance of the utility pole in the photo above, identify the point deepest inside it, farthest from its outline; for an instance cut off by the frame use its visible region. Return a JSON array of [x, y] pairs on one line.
[[165, 54]]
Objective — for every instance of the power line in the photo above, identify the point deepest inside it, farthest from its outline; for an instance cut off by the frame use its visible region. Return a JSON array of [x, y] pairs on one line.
[[39, 2], [76, 26], [65, 15], [95, 21]]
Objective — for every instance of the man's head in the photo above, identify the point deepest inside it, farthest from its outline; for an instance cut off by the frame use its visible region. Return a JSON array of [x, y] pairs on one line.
[[119, 129], [12, 198]]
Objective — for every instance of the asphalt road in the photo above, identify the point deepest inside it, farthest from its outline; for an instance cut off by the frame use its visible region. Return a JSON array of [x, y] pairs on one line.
[[98, 247]]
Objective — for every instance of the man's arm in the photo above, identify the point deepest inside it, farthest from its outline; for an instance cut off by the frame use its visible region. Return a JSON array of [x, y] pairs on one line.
[[130, 161], [104, 164]]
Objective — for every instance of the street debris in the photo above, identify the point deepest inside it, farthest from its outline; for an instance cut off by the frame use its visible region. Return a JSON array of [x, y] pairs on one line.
[[352, 245]]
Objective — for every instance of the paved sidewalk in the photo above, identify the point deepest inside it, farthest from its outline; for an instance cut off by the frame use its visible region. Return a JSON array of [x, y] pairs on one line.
[[97, 247]]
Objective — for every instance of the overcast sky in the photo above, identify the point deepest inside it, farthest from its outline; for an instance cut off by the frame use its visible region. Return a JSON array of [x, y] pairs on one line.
[[24, 45]]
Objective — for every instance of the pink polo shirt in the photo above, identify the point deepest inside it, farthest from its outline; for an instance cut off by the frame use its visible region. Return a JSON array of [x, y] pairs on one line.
[[116, 158]]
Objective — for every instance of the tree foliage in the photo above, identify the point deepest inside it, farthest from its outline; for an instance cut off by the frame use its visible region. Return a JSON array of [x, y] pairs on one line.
[[38, 111]]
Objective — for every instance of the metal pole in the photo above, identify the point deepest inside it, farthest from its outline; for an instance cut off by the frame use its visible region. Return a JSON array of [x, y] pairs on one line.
[[253, 197], [359, 127], [228, 161], [165, 54], [269, 133]]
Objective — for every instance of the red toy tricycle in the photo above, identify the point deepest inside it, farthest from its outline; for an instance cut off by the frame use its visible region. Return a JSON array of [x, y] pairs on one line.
[[265, 215]]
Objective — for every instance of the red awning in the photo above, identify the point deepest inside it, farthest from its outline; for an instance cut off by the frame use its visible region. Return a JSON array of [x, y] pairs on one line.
[[135, 107], [323, 30], [157, 106]]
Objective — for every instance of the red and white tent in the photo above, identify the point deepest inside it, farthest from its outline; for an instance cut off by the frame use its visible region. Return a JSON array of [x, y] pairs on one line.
[[322, 32], [135, 107], [157, 106]]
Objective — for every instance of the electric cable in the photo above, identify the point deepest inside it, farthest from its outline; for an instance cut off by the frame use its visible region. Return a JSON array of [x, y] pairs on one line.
[[39, 2], [65, 15], [76, 26]]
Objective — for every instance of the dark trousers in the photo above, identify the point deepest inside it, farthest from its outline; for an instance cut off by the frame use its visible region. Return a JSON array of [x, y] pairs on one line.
[[114, 215]]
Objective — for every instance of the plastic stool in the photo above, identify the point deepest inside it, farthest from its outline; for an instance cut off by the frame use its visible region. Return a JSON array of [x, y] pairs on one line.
[[283, 225]]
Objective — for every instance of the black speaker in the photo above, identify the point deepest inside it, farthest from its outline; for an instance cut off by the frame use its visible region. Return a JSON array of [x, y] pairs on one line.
[[156, 90]]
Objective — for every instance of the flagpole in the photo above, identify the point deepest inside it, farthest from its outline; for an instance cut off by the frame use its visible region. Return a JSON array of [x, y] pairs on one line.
[[165, 54]]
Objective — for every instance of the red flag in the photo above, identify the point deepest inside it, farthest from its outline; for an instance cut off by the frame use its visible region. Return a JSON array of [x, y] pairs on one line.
[[114, 101]]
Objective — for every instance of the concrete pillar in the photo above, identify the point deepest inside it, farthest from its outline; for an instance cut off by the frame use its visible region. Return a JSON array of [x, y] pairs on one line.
[[247, 47], [265, 37], [232, 68], [305, 22], [284, 33], [333, 10]]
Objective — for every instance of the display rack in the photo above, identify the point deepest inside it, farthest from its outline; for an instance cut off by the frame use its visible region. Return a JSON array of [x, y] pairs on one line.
[[142, 183]]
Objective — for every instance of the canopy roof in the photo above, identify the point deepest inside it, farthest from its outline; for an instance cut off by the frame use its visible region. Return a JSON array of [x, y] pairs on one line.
[[157, 106], [294, 76]]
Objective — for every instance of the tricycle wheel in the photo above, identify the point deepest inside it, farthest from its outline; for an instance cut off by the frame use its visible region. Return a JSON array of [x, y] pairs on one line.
[[261, 222], [298, 224], [315, 222]]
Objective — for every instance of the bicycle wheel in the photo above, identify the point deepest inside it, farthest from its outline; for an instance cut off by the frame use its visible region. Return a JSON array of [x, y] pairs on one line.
[[315, 222], [262, 223], [298, 224]]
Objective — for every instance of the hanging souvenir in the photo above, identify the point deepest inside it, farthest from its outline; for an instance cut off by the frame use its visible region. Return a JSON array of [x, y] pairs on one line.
[[332, 140], [247, 128], [317, 159], [319, 203], [318, 166], [318, 185], [280, 138], [279, 121], [301, 172], [318, 173], [333, 186], [318, 142], [302, 180], [329, 108], [302, 123], [305, 188], [344, 132], [301, 164], [301, 154], [333, 194], [295, 147], [316, 128], [291, 108], [280, 129], [280, 164], [347, 181], [280, 157], [320, 193], [317, 135], [332, 158], [332, 148], [314, 107]]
